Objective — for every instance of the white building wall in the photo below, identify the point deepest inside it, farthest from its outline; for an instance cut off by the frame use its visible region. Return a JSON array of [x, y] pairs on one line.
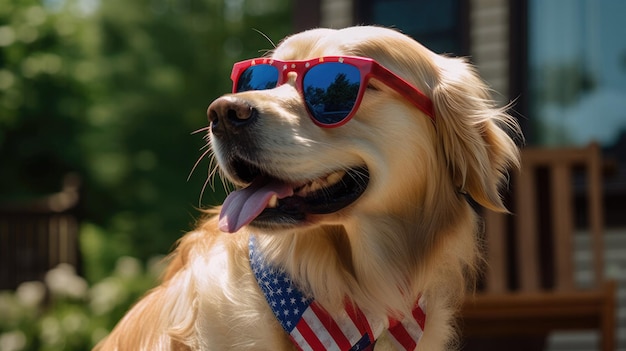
[[489, 44]]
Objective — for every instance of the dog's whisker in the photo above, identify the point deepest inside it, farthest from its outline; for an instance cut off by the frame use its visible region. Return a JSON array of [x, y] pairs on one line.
[[225, 183], [202, 191], [213, 173], [198, 161], [213, 168], [266, 37], [362, 176], [203, 129]]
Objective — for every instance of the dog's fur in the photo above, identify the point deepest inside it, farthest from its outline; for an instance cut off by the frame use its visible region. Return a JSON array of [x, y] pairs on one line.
[[412, 232]]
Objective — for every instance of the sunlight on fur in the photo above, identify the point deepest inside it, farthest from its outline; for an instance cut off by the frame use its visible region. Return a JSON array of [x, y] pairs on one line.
[[409, 234]]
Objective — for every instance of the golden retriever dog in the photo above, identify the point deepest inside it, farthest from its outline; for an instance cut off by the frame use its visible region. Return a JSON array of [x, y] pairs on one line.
[[354, 153]]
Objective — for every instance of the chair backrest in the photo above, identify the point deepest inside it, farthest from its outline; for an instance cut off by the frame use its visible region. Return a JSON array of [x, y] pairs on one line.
[[543, 216]]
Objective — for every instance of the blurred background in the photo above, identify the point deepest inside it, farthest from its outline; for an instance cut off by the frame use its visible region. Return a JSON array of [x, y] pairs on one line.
[[99, 101]]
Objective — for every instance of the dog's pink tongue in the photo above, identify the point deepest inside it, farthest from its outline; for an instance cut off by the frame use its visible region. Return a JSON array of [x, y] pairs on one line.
[[242, 206]]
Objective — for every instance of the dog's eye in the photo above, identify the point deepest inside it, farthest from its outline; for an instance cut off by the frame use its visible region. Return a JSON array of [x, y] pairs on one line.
[[371, 86]]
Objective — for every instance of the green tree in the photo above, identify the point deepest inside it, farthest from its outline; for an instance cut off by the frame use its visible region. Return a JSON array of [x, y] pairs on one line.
[[43, 97], [112, 90], [341, 93]]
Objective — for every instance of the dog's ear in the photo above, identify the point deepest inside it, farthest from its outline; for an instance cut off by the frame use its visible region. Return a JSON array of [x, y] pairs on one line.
[[473, 132]]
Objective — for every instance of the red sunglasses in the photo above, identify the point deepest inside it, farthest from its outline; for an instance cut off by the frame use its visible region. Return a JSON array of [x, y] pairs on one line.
[[332, 86]]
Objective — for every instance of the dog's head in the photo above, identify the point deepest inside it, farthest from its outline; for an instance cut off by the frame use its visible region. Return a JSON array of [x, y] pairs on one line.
[[389, 155]]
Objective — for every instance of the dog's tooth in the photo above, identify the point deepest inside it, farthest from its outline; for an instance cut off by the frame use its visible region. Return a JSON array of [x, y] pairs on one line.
[[303, 190], [273, 202], [316, 185], [335, 177], [320, 183]]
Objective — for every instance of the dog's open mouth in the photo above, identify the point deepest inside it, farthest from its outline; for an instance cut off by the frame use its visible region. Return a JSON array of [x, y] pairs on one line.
[[268, 201]]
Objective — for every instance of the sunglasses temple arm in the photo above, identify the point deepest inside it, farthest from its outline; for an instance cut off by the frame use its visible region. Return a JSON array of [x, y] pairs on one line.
[[407, 90]]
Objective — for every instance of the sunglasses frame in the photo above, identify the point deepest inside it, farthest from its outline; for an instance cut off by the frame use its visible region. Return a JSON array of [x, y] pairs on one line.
[[368, 68]]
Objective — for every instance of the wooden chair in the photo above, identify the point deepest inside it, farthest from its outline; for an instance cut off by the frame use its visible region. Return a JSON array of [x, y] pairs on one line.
[[528, 291]]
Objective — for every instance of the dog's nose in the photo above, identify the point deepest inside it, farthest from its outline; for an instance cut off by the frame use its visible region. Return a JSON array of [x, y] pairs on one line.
[[230, 114]]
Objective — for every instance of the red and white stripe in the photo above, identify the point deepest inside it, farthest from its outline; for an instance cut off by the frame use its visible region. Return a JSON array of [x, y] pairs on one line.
[[407, 333], [317, 330]]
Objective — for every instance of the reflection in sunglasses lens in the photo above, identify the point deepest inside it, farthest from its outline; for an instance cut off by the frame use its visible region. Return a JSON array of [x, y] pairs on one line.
[[330, 91], [259, 77]]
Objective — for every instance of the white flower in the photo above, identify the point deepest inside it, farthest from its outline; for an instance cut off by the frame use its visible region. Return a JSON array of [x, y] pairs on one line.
[[63, 281], [12, 341], [31, 294]]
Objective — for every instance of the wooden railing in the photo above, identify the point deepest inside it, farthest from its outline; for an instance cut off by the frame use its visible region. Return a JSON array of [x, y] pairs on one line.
[[529, 287], [37, 235]]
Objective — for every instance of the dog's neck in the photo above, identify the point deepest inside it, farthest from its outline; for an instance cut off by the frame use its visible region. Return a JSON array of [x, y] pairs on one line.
[[365, 260], [308, 323], [379, 262]]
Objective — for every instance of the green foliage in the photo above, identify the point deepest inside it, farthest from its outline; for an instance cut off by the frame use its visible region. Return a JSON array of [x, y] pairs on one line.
[[113, 90], [41, 97], [341, 93], [65, 313]]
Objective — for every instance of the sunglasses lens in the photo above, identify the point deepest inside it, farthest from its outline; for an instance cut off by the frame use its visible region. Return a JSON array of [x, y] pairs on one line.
[[331, 90], [259, 77]]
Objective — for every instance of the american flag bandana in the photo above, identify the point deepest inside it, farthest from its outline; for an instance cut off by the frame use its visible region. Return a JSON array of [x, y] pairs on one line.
[[310, 326]]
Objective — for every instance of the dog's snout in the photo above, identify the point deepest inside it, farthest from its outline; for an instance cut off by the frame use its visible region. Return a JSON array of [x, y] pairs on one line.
[[230, 114]]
